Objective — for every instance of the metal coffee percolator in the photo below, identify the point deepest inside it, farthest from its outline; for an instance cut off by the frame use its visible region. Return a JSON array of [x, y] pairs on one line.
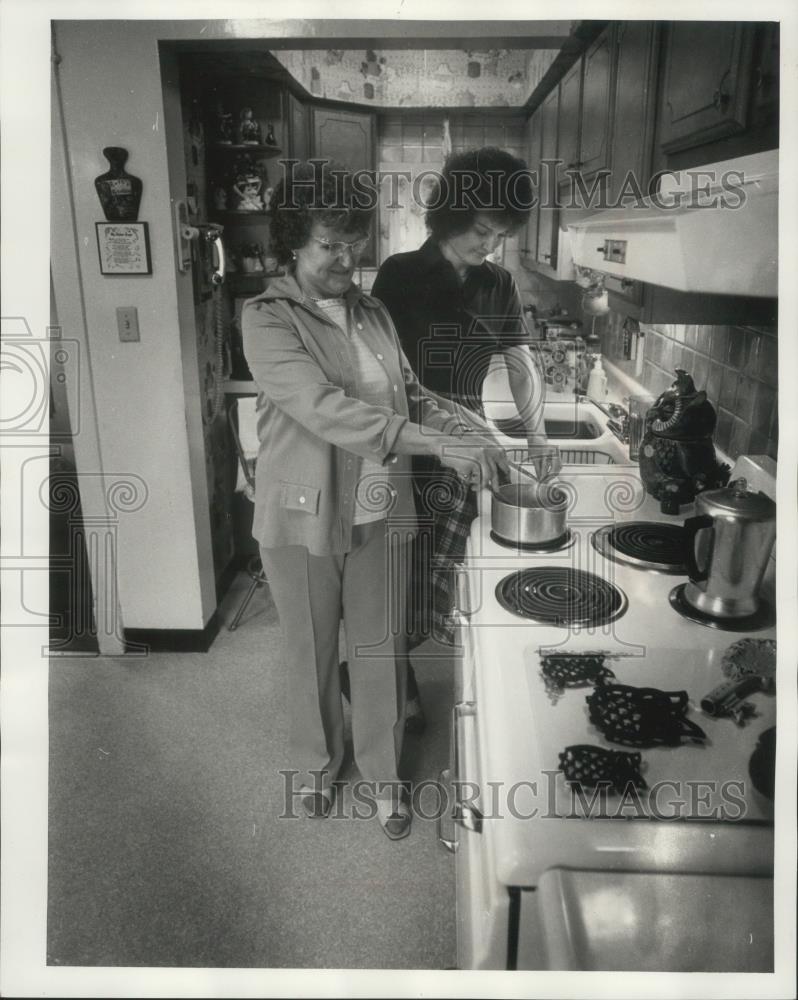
[[727, 547]]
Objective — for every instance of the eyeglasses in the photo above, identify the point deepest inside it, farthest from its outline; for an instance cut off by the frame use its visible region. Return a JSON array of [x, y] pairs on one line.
[[339, 249]]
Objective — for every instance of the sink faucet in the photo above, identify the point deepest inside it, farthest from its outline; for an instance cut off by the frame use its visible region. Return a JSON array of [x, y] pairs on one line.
[[618, 422], [618, 415]]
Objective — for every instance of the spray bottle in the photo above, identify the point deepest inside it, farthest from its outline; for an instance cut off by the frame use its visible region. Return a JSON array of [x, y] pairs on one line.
[[597, 381]]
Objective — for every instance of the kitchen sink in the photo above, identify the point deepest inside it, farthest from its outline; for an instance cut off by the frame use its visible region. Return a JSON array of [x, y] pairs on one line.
[[557, 427], [576, 425]]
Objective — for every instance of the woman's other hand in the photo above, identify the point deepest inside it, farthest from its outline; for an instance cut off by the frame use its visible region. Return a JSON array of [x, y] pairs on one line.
[[543, 456], [478, 462]]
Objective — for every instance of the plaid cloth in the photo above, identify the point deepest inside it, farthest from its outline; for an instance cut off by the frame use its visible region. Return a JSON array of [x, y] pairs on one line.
[[446, 509]]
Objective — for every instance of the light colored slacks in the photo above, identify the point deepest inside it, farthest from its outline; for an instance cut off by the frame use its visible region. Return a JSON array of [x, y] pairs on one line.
[[367, 588]]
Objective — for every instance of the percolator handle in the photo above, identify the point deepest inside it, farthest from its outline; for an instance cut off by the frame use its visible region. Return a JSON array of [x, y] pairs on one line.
[[691, 528]]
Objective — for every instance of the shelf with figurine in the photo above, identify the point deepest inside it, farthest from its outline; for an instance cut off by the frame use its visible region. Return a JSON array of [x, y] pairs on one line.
[[250, 260], [241, 193], [239, 147], [245, 134]]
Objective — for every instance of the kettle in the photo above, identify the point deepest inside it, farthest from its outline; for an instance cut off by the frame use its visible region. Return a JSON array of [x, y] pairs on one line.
[[727, 547]]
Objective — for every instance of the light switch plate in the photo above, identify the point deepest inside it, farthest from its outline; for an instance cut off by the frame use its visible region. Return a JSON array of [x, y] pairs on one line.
[[127, 321]]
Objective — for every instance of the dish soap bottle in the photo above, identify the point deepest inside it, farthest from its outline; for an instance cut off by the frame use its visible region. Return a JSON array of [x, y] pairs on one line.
[[597, 381]]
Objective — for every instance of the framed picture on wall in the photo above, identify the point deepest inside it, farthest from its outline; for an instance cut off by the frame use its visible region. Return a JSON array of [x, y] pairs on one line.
[[124, 248]]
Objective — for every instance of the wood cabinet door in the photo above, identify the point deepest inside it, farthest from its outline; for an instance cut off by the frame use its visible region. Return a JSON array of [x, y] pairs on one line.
[[530, 238], [298, 115], [348, 138], [634, 108], [596, 116], [568, 129], [765, 83], [706, 82], [345, 136], [547, 218]]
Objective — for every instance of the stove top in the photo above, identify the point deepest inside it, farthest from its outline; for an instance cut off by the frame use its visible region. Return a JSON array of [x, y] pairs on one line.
[[644, 544], [560, 595]]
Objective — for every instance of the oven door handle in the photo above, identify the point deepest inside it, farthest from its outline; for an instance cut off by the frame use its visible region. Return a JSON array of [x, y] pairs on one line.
[[450, 843], [465, 813], [462, 597]]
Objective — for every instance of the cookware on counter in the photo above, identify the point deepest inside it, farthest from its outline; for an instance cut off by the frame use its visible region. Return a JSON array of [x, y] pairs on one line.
[[727, 547], [531, 512]]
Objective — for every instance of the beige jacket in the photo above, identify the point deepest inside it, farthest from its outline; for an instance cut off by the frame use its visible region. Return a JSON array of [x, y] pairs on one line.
[[311, 425]]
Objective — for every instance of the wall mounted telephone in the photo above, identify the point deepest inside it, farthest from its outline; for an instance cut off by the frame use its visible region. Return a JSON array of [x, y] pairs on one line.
[[188, 233], [202, 236]]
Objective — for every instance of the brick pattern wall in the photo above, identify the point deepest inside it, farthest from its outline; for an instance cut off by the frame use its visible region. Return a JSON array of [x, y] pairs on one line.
[[737, 365]]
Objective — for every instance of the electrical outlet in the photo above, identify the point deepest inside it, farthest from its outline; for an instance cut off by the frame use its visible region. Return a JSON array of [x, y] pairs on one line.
[[127, 321]]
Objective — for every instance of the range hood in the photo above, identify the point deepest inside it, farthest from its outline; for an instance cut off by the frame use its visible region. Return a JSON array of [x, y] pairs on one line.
[[721, 238]]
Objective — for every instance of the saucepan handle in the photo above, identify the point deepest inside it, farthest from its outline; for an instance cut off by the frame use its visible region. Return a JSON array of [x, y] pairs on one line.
[[691, 528]]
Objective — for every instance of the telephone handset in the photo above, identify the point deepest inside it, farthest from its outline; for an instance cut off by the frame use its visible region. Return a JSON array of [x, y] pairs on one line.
[[188, 233], [208, 233]]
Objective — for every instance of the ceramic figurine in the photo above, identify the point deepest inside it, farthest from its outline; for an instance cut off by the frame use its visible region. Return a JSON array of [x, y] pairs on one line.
[[119, 192], [247, 193], [248, 128], [220, 199], [224, 128], [270, 140], [677, 456]]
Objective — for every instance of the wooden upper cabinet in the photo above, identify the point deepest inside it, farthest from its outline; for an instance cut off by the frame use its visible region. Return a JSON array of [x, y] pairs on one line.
[[765, 83], [570, 106], [635, 84], [298, 118], [706, 77], [548, 216], [348, 138], [597, 100], [345, 136], [530, 235]]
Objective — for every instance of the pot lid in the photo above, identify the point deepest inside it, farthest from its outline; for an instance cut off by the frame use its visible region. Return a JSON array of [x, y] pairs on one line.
[[738, 500]]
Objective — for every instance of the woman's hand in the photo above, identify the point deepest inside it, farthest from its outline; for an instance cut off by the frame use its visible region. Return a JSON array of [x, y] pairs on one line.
[[543, 456], [478, 462]]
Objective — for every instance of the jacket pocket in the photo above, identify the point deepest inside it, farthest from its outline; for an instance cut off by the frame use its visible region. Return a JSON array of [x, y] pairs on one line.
[[295, 496]]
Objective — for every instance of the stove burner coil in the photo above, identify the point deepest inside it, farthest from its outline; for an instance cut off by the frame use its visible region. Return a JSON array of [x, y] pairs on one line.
[[647, 544], [565, 541], [764, 617], [588, 766], [560, 595], [642, 716]]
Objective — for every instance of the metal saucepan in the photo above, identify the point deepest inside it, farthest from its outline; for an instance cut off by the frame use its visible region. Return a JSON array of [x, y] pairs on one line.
[[529, 513]]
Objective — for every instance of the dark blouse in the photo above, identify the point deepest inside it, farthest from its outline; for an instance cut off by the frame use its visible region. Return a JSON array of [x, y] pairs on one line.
[[450, 330]]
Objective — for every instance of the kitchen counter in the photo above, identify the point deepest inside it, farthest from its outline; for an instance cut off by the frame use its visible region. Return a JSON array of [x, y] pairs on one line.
[[711, 819]]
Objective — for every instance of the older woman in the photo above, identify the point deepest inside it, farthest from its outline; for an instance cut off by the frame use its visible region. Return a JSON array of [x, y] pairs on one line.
[[339, 413], [453, 310]]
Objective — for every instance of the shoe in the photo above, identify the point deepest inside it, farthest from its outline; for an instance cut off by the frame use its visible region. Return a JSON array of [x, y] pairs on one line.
[[317, 805], [395, 820]]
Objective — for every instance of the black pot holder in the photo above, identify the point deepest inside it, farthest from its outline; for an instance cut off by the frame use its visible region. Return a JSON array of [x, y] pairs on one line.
[[590, 766], [642, 717], [572, 670]]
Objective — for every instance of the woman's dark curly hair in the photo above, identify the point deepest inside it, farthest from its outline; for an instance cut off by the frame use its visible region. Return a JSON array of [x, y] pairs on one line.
[[478, 180], [311, 191]]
